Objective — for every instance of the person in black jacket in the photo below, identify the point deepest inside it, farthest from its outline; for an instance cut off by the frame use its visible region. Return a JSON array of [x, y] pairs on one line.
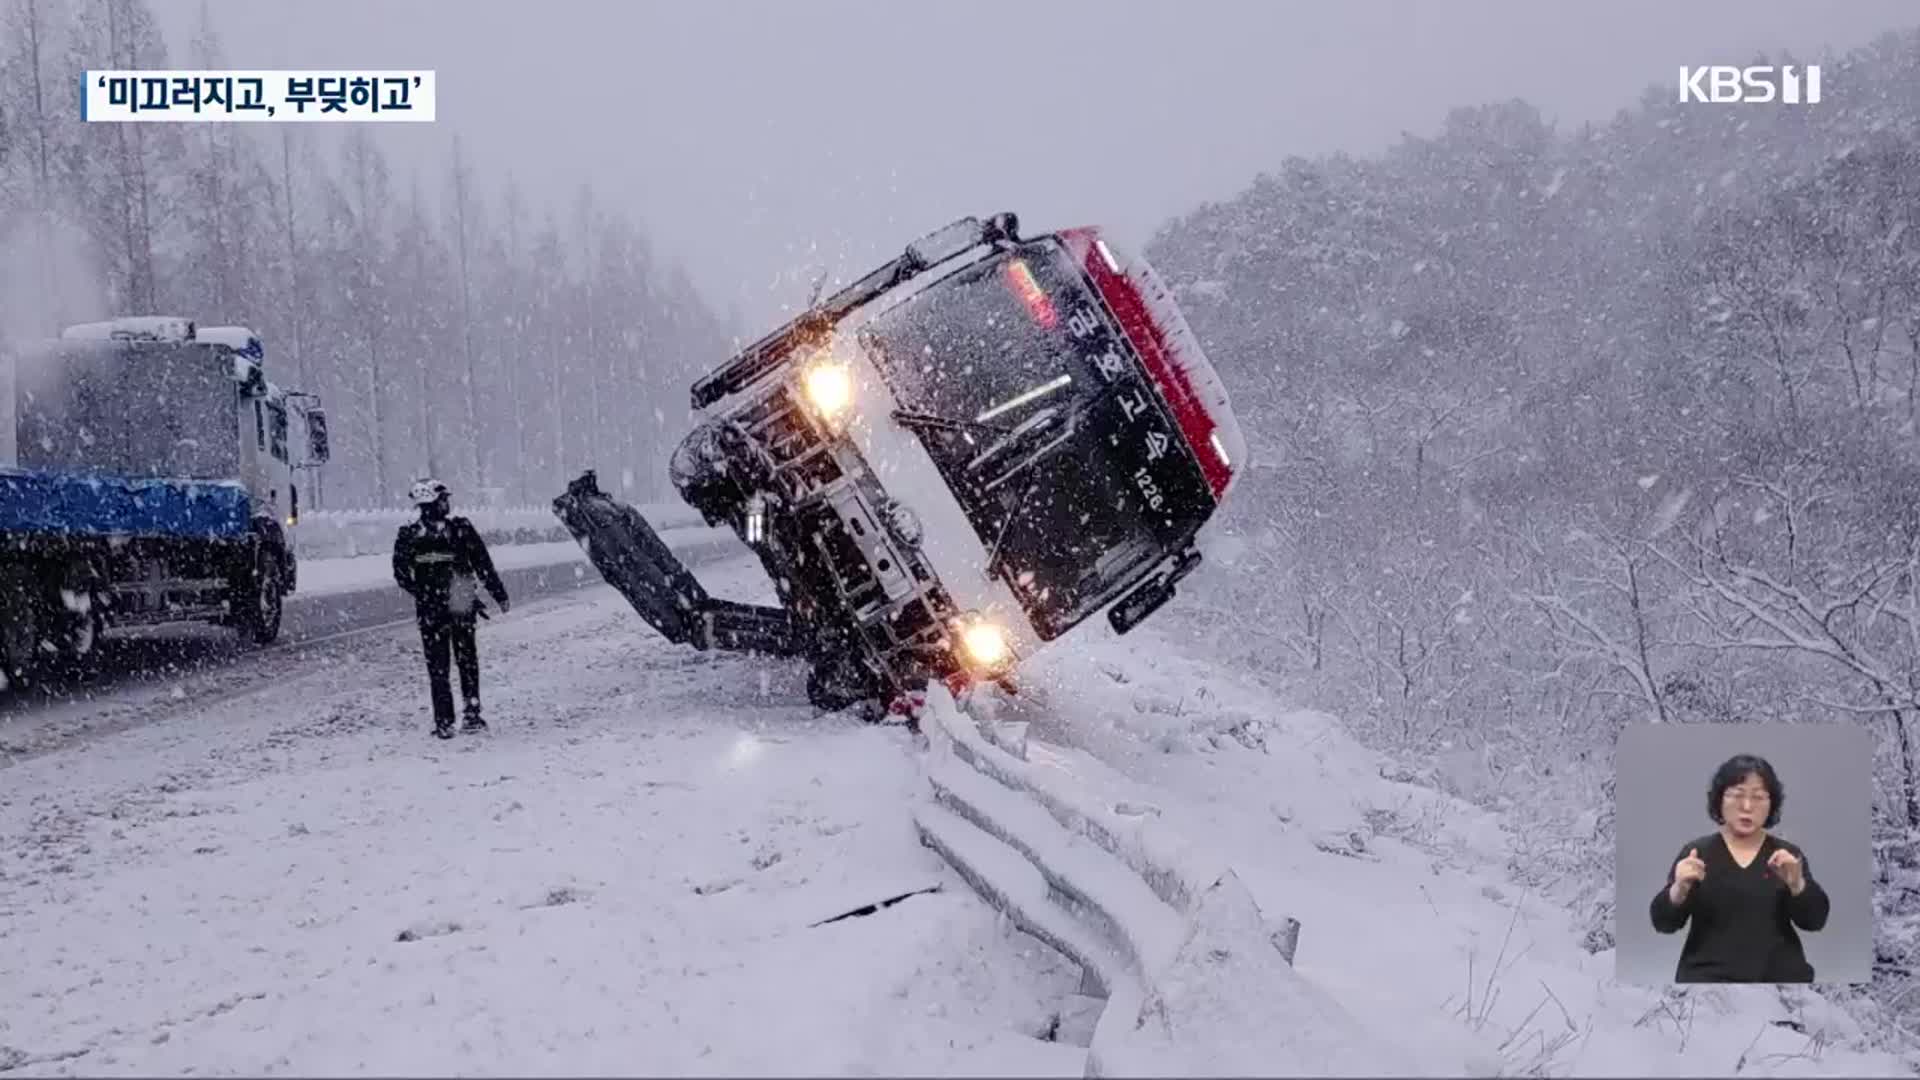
[[440, 560], [1747, 892]]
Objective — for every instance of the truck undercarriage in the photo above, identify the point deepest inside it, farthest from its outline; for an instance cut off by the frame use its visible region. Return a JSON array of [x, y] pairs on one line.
[[632, 558], [60, 592]]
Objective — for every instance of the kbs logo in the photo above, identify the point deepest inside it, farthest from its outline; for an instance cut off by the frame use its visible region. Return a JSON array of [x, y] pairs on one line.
[[1786, 84]]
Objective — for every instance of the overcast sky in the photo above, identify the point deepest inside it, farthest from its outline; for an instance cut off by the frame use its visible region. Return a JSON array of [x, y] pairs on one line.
[[762, 143]]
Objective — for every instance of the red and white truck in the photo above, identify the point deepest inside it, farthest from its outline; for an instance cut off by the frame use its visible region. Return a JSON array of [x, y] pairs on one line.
[[950, 463]]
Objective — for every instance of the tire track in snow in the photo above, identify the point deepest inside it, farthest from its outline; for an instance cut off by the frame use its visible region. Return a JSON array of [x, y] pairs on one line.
[[227, 674]]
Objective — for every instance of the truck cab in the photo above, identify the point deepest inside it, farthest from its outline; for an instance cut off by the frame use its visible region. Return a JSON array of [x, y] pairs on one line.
[[282, 433], [962, 457]]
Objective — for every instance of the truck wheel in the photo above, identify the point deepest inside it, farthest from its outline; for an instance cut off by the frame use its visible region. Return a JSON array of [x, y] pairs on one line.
[[19, 626], [19, 633], [262, 602], [80, 636], [76, 615]]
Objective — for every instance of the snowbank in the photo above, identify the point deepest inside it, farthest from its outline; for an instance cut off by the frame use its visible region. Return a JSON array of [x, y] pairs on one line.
[[330, 577], [1230, 1005]]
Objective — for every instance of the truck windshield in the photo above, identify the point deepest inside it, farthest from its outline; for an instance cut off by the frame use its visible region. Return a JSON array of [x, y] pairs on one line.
[[1039, 418], [134, 410]]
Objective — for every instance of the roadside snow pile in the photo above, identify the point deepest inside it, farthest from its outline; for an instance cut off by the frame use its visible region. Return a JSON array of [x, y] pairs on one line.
[[1409, 919], [340, 534]]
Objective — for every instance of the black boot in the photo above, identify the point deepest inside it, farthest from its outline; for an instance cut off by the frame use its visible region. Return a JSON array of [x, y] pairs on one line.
[[443, 727], [473, 722]]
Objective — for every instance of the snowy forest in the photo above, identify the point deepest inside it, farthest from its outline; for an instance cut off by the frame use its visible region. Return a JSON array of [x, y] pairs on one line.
[[1563, 430], [451, 326]]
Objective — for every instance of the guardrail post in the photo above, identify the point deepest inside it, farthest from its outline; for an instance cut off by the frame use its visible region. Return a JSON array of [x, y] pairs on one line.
[[1287, 937]]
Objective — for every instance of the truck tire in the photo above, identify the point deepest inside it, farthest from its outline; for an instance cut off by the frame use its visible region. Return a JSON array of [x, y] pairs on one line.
[[19, 626], [19, 634], [76, 615], [79, 636], [261, 599]]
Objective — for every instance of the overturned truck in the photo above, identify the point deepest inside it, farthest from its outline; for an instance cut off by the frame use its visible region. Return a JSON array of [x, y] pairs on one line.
[[943, 467]]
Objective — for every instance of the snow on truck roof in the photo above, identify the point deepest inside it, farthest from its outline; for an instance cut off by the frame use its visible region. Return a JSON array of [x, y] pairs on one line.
[[241, 343], [133, 328], [238, 338], [167, 328]]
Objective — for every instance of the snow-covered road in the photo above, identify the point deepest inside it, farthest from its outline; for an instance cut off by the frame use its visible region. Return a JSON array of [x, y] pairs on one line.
[[291, 877], [140, 673]]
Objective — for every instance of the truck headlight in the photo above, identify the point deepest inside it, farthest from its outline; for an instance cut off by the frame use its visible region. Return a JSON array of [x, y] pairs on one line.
[[828, 385], [983, 644]]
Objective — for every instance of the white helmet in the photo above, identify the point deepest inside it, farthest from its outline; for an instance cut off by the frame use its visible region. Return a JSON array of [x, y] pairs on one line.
[[428, 490]]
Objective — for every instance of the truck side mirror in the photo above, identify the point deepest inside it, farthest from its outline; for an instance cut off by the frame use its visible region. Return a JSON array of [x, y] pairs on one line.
[[318, 449]]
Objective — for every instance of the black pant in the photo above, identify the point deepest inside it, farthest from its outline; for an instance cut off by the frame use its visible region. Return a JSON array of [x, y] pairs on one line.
[[438, 632]]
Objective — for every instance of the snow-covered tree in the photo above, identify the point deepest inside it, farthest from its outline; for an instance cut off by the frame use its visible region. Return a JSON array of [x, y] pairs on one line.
[[1640, 397], [537, 342]]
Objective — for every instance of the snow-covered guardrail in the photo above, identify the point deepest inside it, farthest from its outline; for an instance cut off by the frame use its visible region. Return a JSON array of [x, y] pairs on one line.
[[344, 534], [1195, 979]]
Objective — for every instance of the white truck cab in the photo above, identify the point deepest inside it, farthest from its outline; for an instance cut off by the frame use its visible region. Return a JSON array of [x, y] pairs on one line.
[[282, 433]]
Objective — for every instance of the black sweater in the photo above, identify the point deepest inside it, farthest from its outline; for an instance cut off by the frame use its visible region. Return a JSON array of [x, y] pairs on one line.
[[1743, 917]]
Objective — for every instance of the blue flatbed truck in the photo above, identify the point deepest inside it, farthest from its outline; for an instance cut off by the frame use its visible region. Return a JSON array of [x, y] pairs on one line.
[[149, 474]]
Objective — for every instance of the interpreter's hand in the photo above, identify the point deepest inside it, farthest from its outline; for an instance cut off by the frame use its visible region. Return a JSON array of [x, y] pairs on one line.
[[505, 605], [1687, 873], [1787, 865]]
